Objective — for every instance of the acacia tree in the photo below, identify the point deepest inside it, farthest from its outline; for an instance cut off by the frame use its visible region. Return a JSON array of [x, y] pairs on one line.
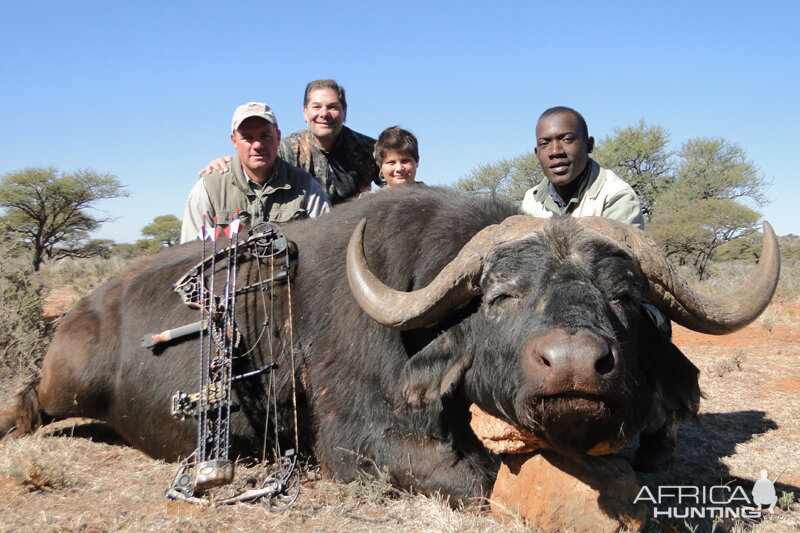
[[508, 179], [47, 211], [164, 229], [639, 155], [703, 208]]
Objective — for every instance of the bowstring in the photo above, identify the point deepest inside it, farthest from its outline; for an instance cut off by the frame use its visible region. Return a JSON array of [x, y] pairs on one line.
[[292, 357], [273, 383]]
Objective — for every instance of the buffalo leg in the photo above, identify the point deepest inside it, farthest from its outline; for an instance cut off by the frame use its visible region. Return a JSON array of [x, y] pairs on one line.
[[77, 372], [413, 462]]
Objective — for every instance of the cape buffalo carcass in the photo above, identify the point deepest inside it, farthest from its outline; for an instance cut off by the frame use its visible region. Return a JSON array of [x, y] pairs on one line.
[[400, 322]]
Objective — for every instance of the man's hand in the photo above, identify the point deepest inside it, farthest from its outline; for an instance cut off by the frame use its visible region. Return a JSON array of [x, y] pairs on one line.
[[219, 165]]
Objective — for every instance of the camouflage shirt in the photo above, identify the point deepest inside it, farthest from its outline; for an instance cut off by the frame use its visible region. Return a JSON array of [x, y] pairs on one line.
[[344, 171]]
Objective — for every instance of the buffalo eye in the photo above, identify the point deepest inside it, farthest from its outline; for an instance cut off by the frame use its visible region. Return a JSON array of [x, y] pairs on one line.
[[621, 301], [623, 298], [632, 294], [501, 298]]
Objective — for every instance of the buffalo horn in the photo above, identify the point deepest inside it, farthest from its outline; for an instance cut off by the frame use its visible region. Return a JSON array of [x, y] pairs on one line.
[[714, 314], [455, 284]]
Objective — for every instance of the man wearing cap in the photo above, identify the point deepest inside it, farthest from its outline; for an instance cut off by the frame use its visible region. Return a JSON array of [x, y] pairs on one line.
[[340, 159], [260, 185]]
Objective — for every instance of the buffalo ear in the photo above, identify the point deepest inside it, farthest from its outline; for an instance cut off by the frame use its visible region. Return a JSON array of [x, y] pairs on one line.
[[674, 376], [433, 372]]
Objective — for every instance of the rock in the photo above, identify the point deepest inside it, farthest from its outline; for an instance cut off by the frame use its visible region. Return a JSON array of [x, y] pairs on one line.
[[502, 437], [555, 495]]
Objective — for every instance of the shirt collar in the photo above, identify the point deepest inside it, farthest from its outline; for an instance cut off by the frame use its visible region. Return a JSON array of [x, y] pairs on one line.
[[336, 143], [277, 179], [585, 180]]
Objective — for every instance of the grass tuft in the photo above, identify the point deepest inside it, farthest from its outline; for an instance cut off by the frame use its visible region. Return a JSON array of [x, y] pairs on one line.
[[729, 364], [37, 474], [374, 488]]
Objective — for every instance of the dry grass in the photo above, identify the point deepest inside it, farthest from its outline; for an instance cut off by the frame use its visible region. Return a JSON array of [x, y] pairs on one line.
[[82, 275], [106, 487], [29, 470], [747, 422], [728, 364], [727, 276]]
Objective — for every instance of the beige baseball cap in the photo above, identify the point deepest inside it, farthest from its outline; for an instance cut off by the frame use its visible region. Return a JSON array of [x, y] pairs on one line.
[[252, 109]]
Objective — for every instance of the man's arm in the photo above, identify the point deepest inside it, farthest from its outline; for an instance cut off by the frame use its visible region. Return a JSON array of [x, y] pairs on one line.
[[533, 207], [197, 205], [625, 207], [317, 203]]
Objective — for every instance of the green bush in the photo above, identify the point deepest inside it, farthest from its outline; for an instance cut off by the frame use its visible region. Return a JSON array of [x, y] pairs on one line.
[[24, 335]]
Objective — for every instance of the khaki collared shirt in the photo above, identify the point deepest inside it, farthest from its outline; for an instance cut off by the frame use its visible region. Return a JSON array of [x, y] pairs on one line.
[[288, 194], [602, 194]]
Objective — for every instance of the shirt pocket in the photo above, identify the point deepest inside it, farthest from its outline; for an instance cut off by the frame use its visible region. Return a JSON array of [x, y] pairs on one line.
[[287, 213]]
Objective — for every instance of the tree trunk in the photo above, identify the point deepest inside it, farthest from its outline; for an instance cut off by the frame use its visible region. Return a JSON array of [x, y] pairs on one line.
[[38, 258]]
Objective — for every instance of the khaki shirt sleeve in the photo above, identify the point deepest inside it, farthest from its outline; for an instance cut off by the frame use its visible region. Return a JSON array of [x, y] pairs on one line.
[[533, 207], [197, 205], [625, 207]]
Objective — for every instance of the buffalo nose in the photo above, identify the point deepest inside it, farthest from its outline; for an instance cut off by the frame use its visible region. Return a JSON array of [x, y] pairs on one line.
[[567, 361]]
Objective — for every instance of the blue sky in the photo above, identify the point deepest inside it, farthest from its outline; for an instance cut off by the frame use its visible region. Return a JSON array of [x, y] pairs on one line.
[[146, 90]]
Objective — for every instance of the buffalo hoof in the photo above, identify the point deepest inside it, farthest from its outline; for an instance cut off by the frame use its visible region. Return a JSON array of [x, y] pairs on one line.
[[656, 450]]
